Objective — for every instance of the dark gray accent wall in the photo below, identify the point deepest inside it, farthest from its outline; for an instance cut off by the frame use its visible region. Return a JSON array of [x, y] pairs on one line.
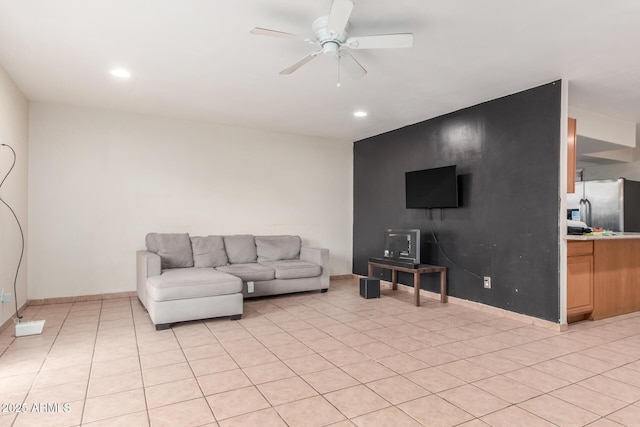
[[507, 152]]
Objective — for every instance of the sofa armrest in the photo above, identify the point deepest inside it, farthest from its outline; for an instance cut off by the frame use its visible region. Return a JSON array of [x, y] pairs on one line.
[[319, 256], [147, 265]]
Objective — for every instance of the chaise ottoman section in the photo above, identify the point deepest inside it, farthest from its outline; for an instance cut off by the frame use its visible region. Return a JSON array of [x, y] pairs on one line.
[[183, 283], [182, 294]]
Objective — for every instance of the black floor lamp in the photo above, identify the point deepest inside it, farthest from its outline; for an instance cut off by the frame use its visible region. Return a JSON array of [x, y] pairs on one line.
[[22, 328]]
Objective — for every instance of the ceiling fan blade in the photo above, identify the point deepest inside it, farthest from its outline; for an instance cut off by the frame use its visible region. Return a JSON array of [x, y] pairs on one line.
[[350, 65], [273, 33], [300, 63], [383, 41], [339, 17]]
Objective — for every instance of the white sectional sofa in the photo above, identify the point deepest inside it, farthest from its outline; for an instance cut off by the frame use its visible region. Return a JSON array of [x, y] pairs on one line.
[[181, 278]]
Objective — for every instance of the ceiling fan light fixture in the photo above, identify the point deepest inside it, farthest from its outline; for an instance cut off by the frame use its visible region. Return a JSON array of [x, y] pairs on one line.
[[330, 48], [360, 113]]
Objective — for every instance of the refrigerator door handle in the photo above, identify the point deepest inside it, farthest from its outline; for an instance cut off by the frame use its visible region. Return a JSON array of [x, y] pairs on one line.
[[585, 214], [587, 204]]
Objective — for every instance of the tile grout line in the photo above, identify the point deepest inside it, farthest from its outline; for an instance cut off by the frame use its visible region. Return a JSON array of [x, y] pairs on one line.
[[256, 385], [194, 374], [500, 374], [144, 389], [299, 376], [93, 352], [91, 370], [542, 393], [322, 395], [42, 364], [244, 373]]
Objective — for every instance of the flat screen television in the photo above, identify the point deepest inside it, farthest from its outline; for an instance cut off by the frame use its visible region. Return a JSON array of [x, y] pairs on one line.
[[402, 245], [432, 188]]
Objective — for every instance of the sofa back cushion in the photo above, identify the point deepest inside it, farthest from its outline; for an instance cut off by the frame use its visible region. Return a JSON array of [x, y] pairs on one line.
[[241, 248], [277, 248], [208, 252], [174, 249]]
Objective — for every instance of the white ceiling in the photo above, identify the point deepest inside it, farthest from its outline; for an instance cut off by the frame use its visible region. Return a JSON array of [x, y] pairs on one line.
[[195, 59]]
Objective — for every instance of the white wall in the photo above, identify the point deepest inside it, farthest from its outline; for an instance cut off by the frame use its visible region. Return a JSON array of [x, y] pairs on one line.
[[100, 180], [613, 171], [14, 127], [605, 128]]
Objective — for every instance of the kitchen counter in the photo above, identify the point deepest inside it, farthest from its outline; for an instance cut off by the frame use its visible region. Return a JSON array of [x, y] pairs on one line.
[[615, 236]]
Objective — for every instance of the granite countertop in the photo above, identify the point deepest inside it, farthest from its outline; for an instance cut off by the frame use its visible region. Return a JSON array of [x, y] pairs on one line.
[[613, 236]]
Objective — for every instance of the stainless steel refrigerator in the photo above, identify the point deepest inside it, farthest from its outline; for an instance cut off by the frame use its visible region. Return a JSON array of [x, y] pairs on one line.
[[612, 204]]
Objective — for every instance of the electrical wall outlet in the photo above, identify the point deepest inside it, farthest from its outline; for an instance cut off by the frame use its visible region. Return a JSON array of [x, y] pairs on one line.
[[5, 297], [487, 282]]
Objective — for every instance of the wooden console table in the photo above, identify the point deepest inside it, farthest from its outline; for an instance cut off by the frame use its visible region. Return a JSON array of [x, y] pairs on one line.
[[422, 268]]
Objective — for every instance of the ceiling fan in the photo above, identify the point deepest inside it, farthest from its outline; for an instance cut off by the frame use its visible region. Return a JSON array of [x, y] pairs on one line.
[[330, 33]]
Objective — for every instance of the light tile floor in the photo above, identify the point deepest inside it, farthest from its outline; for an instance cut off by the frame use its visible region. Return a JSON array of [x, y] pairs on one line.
[[317, 359]]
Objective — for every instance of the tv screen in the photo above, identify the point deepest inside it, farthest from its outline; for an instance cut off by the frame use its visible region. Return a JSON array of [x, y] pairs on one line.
[[402, 244], [432, 188]]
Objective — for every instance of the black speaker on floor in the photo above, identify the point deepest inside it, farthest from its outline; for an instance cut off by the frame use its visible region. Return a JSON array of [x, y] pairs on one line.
[[369, 288]]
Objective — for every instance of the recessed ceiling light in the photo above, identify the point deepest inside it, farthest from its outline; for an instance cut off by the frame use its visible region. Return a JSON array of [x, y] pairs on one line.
[[360, 114], [121, 72]]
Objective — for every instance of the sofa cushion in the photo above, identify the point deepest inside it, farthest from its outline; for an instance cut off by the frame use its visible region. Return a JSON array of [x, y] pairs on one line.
[[293, 269], [276, 248], [249, 272], [174, 249], [240, 248], [186, 283], [208, 252]]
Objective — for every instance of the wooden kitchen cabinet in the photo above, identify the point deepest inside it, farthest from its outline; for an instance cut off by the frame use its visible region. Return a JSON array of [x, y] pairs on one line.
[[579, 280], [616, 279], [571, 156]]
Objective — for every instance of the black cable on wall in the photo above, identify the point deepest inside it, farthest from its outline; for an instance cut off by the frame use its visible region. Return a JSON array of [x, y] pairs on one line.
[[15, 280]]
